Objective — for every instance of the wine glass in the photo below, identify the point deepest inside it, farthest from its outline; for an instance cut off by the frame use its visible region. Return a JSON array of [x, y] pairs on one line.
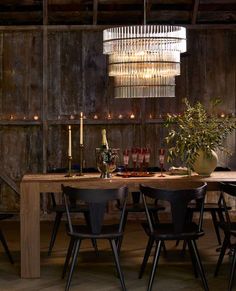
[[161, 160], [126, 159], [134, 158], [140, 158], [147, 157]]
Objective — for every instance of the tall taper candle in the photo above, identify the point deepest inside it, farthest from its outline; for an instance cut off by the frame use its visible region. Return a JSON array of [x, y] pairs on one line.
[[69, 145], [81, 128]]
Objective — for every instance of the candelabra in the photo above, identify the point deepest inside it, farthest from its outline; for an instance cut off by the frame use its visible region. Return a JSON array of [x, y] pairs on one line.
[[69, 174]]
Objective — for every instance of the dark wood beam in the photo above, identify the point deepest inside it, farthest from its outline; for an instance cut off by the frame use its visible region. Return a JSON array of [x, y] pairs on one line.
[[195, 11], [45, 85], [95, 12], [101, 27]]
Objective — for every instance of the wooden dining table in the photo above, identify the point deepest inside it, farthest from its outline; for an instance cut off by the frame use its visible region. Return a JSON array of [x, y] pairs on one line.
[[34, 184]]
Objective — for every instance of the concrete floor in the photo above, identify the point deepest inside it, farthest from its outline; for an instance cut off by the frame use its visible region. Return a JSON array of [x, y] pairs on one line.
[[98, 272]]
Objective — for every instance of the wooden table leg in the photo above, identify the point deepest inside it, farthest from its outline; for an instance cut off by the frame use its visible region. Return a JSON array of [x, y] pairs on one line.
[[30, 230]]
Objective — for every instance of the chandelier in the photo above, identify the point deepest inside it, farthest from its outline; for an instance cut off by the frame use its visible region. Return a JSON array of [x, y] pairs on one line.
[[144, 59]]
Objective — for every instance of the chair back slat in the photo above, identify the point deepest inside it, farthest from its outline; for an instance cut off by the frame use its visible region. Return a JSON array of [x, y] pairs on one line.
[[96, 214], [178, 200], [96, 200]]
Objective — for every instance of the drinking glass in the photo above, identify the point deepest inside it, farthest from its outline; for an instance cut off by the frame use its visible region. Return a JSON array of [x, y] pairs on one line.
[[126, 159], [140, 159], [134, 158], [161, 160], [147, 158]]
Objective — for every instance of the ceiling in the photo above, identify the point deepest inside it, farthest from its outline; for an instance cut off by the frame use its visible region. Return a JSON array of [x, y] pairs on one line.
[[117, 12]]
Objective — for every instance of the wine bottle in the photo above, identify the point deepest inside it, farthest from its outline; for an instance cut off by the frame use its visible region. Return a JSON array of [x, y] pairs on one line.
[[104, 139]]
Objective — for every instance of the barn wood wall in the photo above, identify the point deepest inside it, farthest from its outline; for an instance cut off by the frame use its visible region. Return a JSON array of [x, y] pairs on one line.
[[77, 80]]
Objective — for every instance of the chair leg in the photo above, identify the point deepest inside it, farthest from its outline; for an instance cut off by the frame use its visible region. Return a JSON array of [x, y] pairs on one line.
[[154, 264], [146, 256], [199, 264], [4, 243], [117, 262], [232, 271], [216, 226], [191, 252], [54, 231], [68, 256], [119, 242], [74, 259], [221, 256]]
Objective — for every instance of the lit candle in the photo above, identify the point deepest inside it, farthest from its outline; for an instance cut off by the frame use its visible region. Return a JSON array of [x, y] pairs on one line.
[[120, 116], [36, 117], [81, 128], [69, 145], [132, 116], [95, 116]]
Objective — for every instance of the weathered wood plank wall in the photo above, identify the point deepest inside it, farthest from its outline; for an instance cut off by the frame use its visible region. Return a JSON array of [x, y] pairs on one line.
[[77, 81]]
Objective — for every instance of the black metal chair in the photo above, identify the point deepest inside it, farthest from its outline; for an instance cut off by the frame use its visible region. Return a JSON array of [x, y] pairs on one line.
[[2, 238], [96, 201], [229, 229], [181, 226]]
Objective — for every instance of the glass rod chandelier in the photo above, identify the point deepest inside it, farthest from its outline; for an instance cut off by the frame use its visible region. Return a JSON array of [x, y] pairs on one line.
[[144, 59]]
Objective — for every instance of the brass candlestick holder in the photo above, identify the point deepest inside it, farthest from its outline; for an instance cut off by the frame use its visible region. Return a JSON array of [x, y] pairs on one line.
[[69, 174], [81, 152]]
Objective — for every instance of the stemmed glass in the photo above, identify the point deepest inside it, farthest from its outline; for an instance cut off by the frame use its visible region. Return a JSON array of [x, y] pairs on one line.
[[161, 160], [126, 159], [134, 158], [147, 157], [140, 158]]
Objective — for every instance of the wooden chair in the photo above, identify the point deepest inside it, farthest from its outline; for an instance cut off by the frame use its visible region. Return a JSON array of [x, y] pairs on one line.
[[181, 227], [96, 201], [213, 209], [229, 229], [137, 206], [60, 210]]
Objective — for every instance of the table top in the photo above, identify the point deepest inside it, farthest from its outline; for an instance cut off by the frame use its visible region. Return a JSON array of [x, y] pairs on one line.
[[215, 177]]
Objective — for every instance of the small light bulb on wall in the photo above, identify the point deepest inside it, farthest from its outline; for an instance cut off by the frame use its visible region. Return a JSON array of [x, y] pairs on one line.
[[36, 117], [132, 116], [72, 117], [11, 117], [222, 115], [120, 116], [95, 116], [150, 116], [109, 116]]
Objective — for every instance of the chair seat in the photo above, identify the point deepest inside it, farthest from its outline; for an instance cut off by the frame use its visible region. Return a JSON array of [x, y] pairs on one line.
[[61, 208], [211, 206], [165, 231], [229, 228], [139, 207], [107, 231]]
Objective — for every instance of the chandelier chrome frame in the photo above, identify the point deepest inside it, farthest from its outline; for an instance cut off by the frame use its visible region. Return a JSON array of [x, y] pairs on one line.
[[144, 59]]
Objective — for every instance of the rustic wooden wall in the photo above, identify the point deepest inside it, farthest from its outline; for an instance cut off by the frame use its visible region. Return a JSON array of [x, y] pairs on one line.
[[77, 81]]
